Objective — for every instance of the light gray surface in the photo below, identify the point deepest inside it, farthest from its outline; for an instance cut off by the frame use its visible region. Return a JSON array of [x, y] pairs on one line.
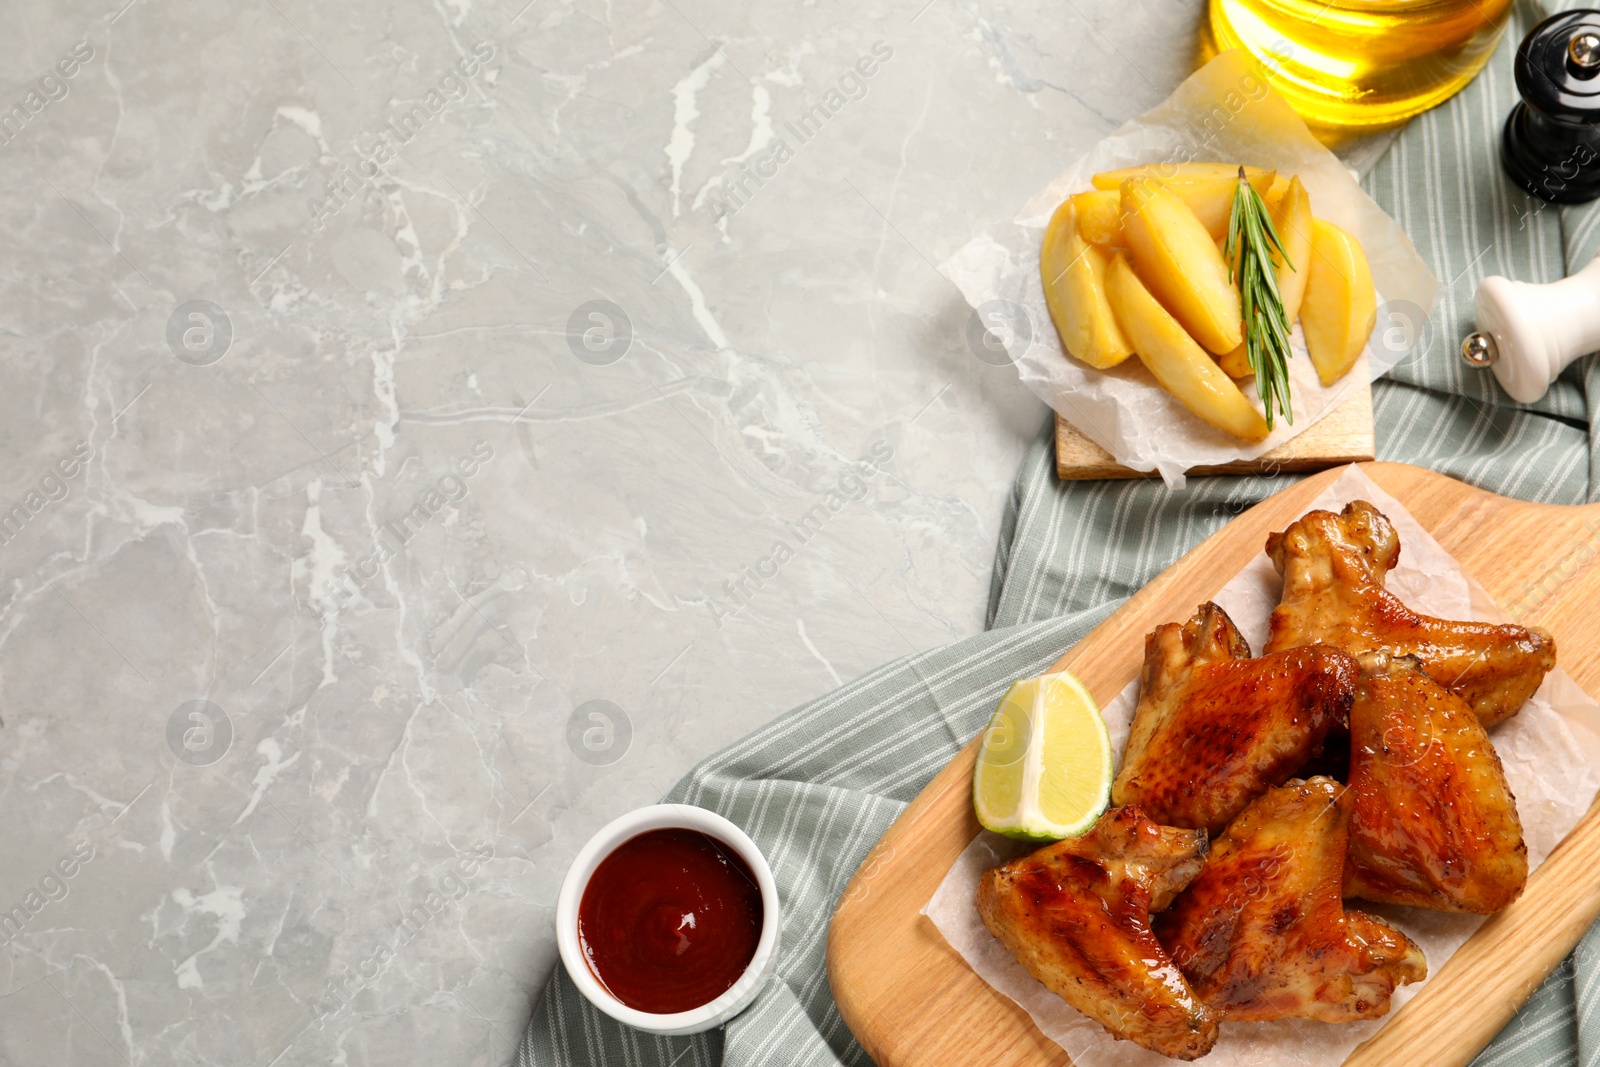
[[410, 746]]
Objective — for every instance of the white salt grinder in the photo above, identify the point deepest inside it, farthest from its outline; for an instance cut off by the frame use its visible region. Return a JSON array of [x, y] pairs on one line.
[[1529, 333]]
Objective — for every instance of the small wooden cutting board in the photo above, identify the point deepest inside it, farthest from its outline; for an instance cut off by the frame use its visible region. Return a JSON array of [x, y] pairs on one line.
[[1343, 435], [913, 1002]]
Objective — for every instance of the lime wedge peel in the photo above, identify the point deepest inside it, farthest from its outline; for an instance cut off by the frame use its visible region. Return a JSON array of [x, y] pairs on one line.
[[1044, 766]]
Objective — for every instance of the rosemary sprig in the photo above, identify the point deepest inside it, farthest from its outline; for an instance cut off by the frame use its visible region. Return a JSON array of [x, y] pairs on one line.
[[1251, 241]]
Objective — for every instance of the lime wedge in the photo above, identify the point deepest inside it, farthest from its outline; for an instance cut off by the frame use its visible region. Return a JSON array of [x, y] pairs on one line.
[[1044, 767]]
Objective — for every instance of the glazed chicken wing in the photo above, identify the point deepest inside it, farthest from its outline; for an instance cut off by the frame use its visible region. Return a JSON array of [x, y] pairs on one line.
[[1263, 934], [1076, 914], [1214, 728], [1433, 822], [1333, 569]]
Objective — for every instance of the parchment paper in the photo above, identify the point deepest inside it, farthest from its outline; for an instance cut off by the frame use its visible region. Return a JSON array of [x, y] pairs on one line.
[[1551, 753], [1223, 112]]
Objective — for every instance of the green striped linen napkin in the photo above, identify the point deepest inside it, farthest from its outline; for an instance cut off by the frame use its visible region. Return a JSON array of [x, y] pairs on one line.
[[817, 786]]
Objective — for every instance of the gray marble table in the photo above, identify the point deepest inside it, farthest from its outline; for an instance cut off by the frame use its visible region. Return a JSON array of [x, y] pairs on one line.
[[429, 428]]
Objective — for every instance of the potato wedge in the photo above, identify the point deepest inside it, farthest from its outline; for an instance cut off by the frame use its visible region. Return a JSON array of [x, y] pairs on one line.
[[1340, 305], [1292, 219], [1176, 172], [1274, 194], [1074, 276], [1180, 365], [1236, 362], [1211, 200], [1100, 216], [1178, 261]]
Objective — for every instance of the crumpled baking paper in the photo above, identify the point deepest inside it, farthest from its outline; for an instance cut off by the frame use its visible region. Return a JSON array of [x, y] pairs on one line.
[[1224, 112], [1551, 753]]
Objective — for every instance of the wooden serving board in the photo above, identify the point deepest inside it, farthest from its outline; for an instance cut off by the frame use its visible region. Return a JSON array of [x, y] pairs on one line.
[[912, 1002], [1343, 435]]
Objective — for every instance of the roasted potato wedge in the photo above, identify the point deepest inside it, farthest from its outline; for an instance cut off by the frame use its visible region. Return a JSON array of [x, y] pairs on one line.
[[1179, 263], [1211, 200], [1182, 367], [1100, 216], [1340, 305], [1235, 362], [1176, 172], [1074, 276], [1274, 194], [1292, 219]]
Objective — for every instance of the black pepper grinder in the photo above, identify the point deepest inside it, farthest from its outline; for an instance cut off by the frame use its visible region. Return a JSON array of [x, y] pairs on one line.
[[1551, 144]]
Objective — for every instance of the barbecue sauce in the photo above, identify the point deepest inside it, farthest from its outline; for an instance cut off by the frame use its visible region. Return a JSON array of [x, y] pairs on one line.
[[670, 920]]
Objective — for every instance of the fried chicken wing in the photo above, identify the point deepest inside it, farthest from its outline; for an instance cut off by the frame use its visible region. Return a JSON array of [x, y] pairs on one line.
[[1076, 914], [1333, 569], [1433, 822], [1263, 934], [1214, 728]]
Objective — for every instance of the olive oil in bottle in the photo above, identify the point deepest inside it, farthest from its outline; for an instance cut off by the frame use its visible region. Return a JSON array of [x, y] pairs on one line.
[[1363, 64]]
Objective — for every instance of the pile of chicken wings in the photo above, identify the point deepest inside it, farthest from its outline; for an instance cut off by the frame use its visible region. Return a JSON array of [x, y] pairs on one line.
[[1349, 761]]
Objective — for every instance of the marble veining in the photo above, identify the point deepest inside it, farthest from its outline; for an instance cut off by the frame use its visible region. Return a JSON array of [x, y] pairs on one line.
[[429, 428]]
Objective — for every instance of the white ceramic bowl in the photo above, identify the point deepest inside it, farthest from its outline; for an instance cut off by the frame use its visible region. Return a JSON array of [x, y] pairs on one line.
[[664, 817]]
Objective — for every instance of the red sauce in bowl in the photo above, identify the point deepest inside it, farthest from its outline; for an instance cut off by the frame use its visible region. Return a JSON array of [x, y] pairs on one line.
[[670, 920]]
